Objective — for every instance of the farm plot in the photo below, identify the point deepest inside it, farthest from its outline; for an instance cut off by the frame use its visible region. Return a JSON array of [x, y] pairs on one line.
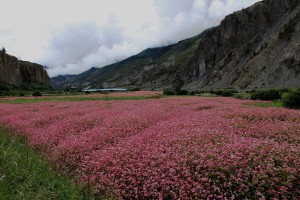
[[169, 148]]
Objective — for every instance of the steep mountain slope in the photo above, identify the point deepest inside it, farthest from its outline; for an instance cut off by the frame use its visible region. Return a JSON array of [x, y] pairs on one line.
[[257, 47], [152, 68], [16, 72]]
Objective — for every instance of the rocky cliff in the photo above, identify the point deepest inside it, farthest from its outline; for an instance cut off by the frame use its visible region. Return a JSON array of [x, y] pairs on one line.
[[257, 47], [15, 72]]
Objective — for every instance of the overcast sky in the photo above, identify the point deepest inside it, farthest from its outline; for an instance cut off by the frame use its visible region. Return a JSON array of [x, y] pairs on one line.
[[71, 36]]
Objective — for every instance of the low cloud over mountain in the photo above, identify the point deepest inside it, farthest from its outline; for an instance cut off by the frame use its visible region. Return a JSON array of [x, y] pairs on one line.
[[71, 37]]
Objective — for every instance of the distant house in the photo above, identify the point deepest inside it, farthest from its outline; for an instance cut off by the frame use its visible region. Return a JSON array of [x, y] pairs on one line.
[[74, 89]]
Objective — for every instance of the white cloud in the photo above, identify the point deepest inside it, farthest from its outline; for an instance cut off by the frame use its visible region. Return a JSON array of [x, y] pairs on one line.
[[72, 36]]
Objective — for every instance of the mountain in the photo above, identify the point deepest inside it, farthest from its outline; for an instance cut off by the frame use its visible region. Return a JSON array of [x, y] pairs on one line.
[[16, 72], [62, 81], [150, 68], [257, 47]]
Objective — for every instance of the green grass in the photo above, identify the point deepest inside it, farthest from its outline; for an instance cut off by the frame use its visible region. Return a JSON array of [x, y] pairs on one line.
[[206, 94], [55, 99], [277, 104], [24, 174]]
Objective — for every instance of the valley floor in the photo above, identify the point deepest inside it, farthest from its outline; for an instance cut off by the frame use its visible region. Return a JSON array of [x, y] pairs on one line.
[[166, 148]]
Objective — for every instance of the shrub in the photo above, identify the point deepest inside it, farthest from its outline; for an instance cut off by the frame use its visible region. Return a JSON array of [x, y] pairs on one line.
[[5, 87], [218, 92], [268, 95], [34, 87], [21, 94], [291, 99], [4, 93], [168, 92], [6, 90], [36, 94], [284, 90], [224, 93], [193, 93], [181, 92], [134, 89], [177, 83], [256, 95], [228, 93], [244, 95]]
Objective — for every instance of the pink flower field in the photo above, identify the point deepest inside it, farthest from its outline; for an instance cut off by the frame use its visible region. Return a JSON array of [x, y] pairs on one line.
[[169, 148]]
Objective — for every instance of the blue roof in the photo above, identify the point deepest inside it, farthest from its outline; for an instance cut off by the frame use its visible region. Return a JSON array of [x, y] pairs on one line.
[[104, 90]]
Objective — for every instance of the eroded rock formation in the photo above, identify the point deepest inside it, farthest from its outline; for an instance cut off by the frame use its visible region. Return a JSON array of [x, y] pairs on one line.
[[251, 48], [16, 72]]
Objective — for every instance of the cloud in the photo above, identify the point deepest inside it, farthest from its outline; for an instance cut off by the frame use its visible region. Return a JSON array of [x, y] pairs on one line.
[[73, 36], [183, 19], [78, 47]]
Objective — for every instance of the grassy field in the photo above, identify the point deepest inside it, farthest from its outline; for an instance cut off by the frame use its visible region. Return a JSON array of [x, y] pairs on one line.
[[89, 97], [276, 104], [106, 98], [24, 174]]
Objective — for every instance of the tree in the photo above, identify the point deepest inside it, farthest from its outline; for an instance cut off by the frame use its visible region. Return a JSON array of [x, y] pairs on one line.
[[3, 50], [177, 83]]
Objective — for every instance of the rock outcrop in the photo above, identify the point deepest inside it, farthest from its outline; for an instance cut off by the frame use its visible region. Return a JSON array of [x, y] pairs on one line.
[[15, 72], [252, 48]]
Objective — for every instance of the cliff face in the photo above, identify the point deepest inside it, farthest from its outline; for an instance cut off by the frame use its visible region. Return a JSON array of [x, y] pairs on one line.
[[15, 72], [32, 72], [254, 48], [10, 70], [257, 47]]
